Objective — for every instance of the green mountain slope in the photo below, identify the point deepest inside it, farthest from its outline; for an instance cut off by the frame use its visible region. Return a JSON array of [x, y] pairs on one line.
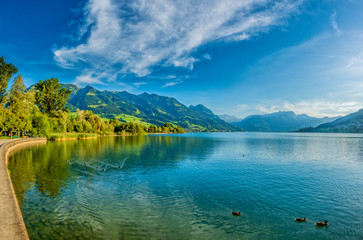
[[352, 123], [145, 108], [280, 121]]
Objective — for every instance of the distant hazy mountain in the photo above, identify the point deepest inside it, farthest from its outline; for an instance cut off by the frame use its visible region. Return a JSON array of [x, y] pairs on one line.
[[352, 123], [229, 118], [280, 121], [150, 108]]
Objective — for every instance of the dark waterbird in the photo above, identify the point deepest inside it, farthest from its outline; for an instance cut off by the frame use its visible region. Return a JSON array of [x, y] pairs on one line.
[[236, 213], [322, 224], [300, 219]]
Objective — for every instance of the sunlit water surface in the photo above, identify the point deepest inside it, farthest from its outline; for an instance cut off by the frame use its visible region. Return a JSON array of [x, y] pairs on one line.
[[185, 187]]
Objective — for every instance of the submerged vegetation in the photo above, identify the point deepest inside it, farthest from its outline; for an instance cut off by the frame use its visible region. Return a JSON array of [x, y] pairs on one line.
[[41, 111]]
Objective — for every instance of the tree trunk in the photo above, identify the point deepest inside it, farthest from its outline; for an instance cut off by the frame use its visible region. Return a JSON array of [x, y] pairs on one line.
[[11, 135], [18, 135]]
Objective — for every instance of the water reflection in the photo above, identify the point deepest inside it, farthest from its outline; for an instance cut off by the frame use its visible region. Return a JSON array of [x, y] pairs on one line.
[[49, 168], [185, 186]]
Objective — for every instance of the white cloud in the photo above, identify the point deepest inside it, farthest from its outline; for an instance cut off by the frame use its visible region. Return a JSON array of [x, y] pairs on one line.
[[334, 23], [138, 84], [207, 56], [135, 36], [87, 79], [170, 84], [240, 108]]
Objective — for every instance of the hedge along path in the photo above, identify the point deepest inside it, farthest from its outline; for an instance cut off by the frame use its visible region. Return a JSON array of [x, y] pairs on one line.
[[11, 220]]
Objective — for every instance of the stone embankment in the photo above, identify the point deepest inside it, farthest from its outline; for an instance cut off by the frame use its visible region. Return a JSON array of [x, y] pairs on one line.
[[11, 220]]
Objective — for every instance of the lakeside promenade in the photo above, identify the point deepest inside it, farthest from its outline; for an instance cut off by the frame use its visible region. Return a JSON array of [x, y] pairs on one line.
[[11, 221]]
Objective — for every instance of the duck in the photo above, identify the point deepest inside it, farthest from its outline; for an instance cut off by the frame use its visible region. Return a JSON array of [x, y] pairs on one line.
[[300, 219], [236, 213], [103, 169], [322, 224], [85, 164], [98, 167]]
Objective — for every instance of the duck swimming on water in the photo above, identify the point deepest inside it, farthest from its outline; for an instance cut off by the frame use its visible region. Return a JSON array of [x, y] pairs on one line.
[[236, 213], [300, 219], [322, 224]]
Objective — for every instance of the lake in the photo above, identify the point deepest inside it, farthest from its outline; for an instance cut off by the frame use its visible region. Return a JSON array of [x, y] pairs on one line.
[[185, 186]]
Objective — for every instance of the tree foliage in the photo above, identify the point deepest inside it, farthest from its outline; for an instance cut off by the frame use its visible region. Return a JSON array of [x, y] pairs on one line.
[[7, 70], [50, 96], [21, 103]]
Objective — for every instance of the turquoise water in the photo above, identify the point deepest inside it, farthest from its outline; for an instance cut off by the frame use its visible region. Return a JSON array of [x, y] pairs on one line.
[[185, 187]]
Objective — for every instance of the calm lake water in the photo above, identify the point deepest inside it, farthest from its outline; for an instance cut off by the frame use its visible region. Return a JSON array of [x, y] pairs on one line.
[[185, 187]]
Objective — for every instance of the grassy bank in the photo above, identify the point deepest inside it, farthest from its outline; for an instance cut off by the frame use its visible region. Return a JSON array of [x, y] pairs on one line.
[[64, 136]]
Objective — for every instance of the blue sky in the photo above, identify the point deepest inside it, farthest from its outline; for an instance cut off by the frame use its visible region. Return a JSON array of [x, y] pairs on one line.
[[235, 57]]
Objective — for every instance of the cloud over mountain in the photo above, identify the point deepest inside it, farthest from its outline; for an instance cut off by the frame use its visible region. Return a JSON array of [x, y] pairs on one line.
[[133, 37]]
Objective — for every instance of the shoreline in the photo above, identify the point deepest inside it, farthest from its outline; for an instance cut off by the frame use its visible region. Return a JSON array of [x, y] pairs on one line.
[[73, 138], [11, 221]]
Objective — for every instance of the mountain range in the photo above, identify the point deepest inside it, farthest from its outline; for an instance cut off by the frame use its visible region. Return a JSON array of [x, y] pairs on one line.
[[148, 108], [229, 118], [351, 123], [280, 121], [145, 108]]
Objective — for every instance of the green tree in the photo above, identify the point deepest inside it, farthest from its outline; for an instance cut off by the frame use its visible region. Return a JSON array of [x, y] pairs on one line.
[[50, 95], [2, 120], [9, 121], [40, 125], [7, 70], [115, 122], [21, 104], [179, 129], [167, 126]]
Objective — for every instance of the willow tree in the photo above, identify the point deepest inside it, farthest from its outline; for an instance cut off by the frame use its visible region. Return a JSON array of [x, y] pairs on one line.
[[7, 70]]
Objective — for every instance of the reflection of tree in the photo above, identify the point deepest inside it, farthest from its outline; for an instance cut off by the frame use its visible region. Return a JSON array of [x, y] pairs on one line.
[[52, 211], [46, 167], [160, 151], [43, 166], [22, 173]]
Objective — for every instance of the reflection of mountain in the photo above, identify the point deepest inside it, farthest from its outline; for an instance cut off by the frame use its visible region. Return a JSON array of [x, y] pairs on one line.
[[46, 167]]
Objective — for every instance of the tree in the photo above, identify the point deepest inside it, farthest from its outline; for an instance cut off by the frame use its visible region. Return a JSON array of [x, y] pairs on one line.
[[21, 104], [7, 70], [9, 121], [2, 120], [40, 125], [50, 95]]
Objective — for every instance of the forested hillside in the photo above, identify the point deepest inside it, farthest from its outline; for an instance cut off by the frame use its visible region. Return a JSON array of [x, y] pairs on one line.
[[145, 108]]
